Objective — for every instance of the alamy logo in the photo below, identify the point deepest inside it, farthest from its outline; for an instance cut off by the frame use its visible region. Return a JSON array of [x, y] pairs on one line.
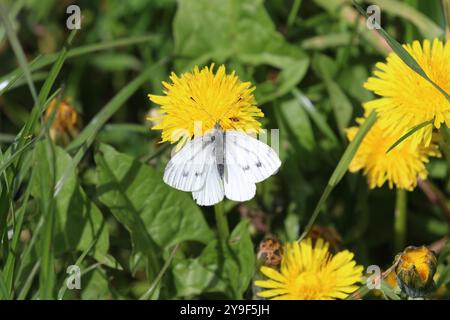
[[74, 279], [374, 17], [374, 280], [74, 20]]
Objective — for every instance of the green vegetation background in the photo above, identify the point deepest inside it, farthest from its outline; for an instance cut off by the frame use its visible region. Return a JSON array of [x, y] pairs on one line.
[[100, 201]]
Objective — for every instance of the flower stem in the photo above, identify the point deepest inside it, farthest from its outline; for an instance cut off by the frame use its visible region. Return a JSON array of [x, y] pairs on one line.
[[222, 222], [400, 220]]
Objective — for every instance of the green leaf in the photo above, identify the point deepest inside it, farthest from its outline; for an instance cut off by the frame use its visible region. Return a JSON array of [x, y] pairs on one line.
[[18, 50], [342, 107], [78, 220], [317, 117], [3, 290], [297, 123], [240, 30], [7, 81], [44, 176], [116, 62], [156, 215], [226, 270], [444, 277]]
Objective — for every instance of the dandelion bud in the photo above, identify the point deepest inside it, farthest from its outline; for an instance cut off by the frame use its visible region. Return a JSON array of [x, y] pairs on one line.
[[64, 125], [415, 270]]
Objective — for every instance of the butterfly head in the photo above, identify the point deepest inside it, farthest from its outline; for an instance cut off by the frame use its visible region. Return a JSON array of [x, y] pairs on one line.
[[217, 126]]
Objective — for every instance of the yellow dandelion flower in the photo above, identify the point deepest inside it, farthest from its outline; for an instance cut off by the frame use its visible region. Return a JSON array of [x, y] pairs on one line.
[[196, 101], [407, 99], [400, 167], [310, 272]]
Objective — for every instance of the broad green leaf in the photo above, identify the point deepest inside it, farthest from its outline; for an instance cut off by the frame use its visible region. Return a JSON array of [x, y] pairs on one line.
[[78, 220], [221, 270], [342, 107], [297, 123], [197, 276], [444, 277], [218, 30], [316, 116], [44, 160], [156, 215], [324, 66], [95, 286]]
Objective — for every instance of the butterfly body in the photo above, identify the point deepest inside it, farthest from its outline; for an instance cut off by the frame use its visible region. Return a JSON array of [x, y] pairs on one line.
[[221, 163]]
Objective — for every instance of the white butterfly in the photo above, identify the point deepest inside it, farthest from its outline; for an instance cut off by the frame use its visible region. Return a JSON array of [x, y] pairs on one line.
[[221, 163]]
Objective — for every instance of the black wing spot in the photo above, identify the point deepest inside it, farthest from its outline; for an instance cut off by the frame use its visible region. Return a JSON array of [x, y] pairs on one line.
[[197, 174], [247, 167], [259, 164]]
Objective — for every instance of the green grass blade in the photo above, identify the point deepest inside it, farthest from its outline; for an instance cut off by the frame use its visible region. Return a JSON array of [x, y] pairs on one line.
[[401, 52], [45, 90], [148, 294], [4, 164], [8, 270], [41, 62], [410, 133], [3, 290], [18, 50], [29, 281], [294, 12], [47, 171], [341, 169]]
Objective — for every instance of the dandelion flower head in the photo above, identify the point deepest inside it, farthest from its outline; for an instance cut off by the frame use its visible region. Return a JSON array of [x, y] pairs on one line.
[[310, 272], [194, 102]]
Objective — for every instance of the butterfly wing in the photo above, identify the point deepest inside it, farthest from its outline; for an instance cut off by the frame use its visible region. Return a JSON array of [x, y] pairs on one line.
[[237, 187], [213, 189], [187, 169], [256, 159]]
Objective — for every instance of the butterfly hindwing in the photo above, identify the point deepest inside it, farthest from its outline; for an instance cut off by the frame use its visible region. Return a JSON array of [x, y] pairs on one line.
[[237, 187], [213, 189]]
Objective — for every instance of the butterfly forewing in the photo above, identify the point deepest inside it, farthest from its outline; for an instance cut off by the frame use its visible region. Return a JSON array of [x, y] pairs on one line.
[[187, 170], [257, 160]]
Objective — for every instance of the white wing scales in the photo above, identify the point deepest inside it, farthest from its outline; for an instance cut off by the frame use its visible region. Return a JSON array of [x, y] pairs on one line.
[[247, 161], [257, 160], [213, 190], [187, 169], [237, 187]]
